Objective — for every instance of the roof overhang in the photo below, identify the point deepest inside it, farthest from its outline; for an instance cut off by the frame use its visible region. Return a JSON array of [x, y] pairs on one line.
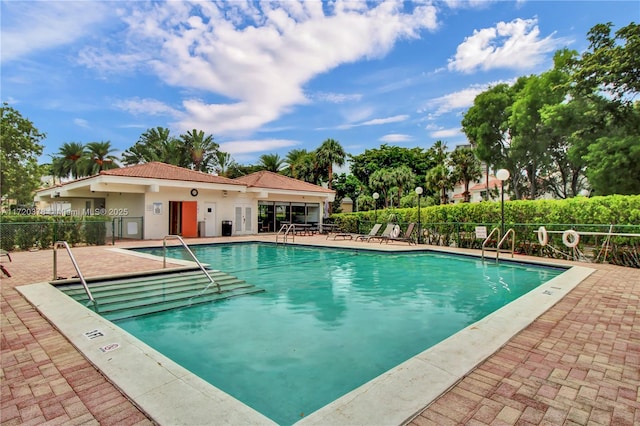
[[264, 193], [131, 185]]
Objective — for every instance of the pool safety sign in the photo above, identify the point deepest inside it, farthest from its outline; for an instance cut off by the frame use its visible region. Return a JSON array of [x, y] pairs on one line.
[[481, 232], [110, 347]]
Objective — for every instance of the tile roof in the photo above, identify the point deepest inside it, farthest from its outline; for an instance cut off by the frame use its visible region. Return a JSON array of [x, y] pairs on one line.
[[157, 170], [270, 180], [493, 182]]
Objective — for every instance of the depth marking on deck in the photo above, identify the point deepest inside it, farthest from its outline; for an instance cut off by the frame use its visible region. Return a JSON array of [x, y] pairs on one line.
[[93, 334]]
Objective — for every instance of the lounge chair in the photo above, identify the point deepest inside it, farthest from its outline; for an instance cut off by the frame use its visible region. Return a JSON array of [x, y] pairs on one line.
[[407, 237], [350, 236], [385, 234]]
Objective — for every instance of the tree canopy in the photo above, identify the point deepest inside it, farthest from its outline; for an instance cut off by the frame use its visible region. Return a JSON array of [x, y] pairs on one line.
[[21, 145]]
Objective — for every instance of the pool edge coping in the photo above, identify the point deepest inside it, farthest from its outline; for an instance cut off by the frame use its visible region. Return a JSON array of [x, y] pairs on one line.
[[424, 374]]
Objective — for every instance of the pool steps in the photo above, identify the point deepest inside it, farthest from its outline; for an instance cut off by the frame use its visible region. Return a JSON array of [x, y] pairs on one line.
[[128, 297]]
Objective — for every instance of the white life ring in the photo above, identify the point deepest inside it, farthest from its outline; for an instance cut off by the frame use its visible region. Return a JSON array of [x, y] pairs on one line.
[[543, 238], [570, 238], [396, 231]]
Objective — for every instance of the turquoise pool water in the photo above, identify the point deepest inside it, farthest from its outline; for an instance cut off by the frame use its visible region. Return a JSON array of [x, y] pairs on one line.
[[329, 321]]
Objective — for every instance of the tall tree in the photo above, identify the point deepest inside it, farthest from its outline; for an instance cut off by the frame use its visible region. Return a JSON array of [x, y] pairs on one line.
[[70, 160], [611, 64], [616, 165], [486, 125], [100, 157], [607, 75], [440, 180], [201, 148], [295, 161], [157, 144], [466, 168], [417, 159], [347, 185], [379, 182], [330, 153], [401, 178], [21, 144], [224, 163], [271, 162]]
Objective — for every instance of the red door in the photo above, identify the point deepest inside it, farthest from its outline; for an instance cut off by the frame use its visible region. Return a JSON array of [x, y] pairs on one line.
[[189, 218]]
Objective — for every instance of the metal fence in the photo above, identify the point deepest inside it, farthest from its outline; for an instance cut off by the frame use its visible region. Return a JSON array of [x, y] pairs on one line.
[[41, 235], [615, 244], [126, 227]]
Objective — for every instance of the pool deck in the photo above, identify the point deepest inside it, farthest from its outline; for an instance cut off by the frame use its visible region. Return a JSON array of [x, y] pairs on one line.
[[578, 363]]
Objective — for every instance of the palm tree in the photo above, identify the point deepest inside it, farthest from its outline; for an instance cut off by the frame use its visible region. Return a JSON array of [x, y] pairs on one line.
[[68, 160], [271, 162], [295, 159], [223, 163], [99, 157], [379, 182], [401, 177], [330, 153], [466, 167], [201, 149], [157, 144], [439, 179]]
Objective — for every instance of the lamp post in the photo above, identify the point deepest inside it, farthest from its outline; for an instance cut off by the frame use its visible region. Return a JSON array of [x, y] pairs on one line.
[[502, 174], [419, 193], [375, 204]]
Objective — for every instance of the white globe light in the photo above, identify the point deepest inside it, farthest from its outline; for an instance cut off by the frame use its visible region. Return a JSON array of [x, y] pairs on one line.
[[419, 190], [376, 195], [502, 174]]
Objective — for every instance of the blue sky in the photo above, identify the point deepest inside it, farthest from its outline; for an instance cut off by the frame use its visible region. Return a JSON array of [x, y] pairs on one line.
[[269, 77]]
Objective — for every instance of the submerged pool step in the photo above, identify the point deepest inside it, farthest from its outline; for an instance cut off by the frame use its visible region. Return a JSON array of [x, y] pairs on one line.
[[125, 298], [149, 286]]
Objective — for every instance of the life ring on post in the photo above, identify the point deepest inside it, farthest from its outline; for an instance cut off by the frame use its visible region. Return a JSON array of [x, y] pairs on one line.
[[396, 231], [570, 238], [543, 238]]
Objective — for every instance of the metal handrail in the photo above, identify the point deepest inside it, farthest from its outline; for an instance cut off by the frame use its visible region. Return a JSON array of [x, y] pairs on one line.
[[75, 265], [513, 242], [193, 256], [287, 228], [486, 240]]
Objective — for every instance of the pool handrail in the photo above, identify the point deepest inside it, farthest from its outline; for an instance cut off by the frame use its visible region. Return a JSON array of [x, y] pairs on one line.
[[504, 238], [486, 240], [288, 228], [75, 265], [193, 256]]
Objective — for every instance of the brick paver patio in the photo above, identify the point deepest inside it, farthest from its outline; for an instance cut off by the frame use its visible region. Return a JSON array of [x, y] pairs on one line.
[[579, 363]]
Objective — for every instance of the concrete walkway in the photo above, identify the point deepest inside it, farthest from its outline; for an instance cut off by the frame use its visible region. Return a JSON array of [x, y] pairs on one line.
[[579, 363]]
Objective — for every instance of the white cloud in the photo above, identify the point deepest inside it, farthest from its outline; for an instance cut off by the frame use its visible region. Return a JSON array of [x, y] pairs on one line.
[[516, 44], [31, 26], [454, 101], [376, 122], [387, 120], [257, 56], [445, 133], [240, 147], [459, 100], [337, 98], [139, 106], [80, 122], [395, 138]]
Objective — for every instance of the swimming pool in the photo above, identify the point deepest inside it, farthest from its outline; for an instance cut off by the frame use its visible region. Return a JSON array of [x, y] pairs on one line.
[[329, 321]]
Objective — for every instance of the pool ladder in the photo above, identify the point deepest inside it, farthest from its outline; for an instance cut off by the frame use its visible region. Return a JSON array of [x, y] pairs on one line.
[[75, 265], [193, 256], [286, 230], [510, 232]]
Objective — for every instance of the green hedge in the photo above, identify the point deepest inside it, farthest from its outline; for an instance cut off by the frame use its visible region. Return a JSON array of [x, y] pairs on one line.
[[455, 223], [26, 232]]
